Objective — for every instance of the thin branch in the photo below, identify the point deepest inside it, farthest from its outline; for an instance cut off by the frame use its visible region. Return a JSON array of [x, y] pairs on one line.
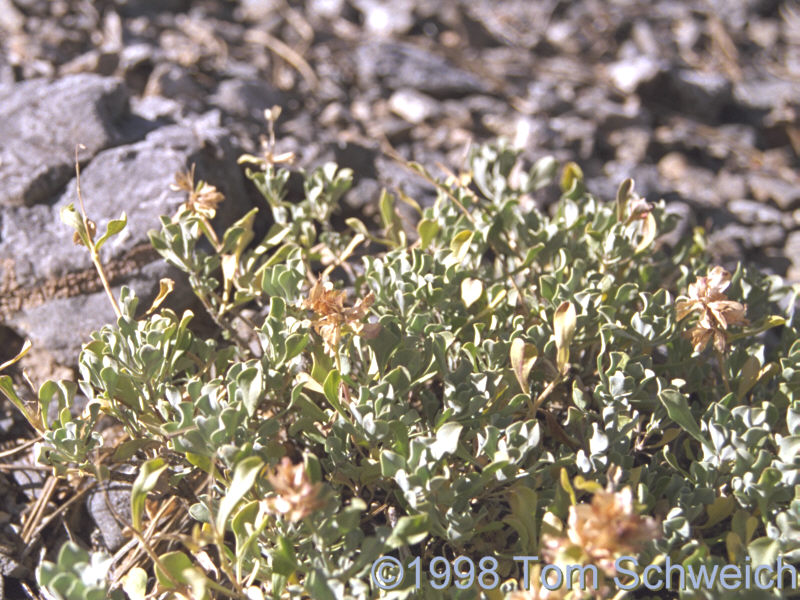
[[92, 247]]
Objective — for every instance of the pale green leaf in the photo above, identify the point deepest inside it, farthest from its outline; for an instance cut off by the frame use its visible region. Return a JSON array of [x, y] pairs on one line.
[[244, 476], [148, 476]]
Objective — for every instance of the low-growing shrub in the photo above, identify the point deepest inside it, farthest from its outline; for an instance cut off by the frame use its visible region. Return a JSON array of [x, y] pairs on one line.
[[503, 384]]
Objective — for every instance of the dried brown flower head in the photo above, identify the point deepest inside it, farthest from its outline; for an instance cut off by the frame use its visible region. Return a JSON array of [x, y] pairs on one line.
[[604, 530], [295, 496], [268, 156], [717, 312], [203, 198], [333, 316]]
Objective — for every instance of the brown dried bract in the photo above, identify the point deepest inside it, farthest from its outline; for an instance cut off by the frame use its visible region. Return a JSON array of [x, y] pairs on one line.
[[717, 312], [295, 496], [604, 530], [334, 316], [203, 198]]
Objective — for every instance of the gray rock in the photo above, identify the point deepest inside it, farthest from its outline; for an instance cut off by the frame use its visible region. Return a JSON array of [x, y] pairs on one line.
[[42, 122], [362, 199], [792, 251], [561, 35], [29, 481], [11, 548], [136, 63], [593, 103], [87, 311], [258, 10], [132, 8], [397, 66], [158, 108], [386, 18], [702, 94], [764, 94], [413, 106], [137, 54], [544, 97], [763, 32], [326, 9], [646, 178], [246, 98], [6, 72], [748, 211], [765, 187], [11, 20], [684, 217], [730, 186], [46, 281], [687, 32], [133, 178], [645, 38], [574, 133], [171, 81], [105, 503], [749, 238], [694, 184], [630, 73], [631, 144], [524, 30]]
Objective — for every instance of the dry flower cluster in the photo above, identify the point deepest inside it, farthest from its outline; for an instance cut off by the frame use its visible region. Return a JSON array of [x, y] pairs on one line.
[[295, 496], [268, 157], [334, 316], [605, 530], [598, 533], [203, 198], [717, 312]]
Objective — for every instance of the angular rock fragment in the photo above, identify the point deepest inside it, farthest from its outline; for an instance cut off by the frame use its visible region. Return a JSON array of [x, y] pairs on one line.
[[246, 98], [400, 66], [46, 281], [42, 122]]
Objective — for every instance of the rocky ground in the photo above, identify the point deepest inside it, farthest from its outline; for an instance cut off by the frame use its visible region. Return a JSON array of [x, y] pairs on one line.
[[697, 101]]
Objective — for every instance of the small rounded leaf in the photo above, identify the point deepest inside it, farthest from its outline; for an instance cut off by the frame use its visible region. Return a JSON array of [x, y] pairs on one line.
[[471, 290], [523, 356], [564, 328]]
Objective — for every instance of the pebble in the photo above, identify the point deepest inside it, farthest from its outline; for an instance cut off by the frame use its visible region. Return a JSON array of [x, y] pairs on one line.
[[765, 187], [399, 65], [702, 94], [749, 211], [246, 98], [386, 18], [628, 74], [105, 503], [413, 106], [791, 250]]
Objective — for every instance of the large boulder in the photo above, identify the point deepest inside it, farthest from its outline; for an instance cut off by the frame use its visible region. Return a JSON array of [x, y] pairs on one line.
[[49, 289], [42, 122]]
